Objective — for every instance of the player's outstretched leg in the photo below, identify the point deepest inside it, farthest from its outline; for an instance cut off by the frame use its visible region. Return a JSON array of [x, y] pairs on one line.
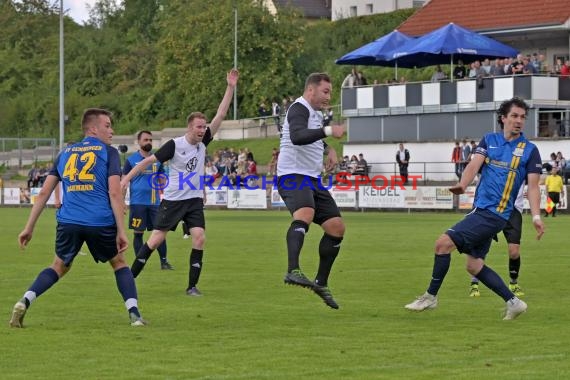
[[140, 261], [45, 280]]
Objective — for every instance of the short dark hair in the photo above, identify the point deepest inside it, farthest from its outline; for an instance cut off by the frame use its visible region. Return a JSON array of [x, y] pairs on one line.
[[316, 78], [506, 106], [91, 114], [143, 132]]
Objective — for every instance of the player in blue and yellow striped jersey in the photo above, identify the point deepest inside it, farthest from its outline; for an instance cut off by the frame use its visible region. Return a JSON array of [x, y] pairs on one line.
[[505, 159], [145, 195], [91, 212]]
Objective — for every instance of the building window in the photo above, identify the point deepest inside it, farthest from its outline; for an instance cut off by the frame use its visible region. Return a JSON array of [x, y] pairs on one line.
[[369, 9], [353, 11], [418, 3]]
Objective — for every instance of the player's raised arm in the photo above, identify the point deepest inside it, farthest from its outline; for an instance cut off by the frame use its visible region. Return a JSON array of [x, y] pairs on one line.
[[232, 79]]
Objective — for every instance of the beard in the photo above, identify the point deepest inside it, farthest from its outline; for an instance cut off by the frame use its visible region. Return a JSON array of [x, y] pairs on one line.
[[147, 147]]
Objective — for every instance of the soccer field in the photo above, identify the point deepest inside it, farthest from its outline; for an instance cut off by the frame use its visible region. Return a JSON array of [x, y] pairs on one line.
[[249, 325]]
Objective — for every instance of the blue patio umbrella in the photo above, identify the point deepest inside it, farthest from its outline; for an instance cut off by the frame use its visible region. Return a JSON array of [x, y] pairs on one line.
[[376, 53], [449, 44]]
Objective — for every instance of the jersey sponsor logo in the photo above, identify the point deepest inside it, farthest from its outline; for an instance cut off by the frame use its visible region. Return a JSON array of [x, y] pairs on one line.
[[192, 164], [518, 152]]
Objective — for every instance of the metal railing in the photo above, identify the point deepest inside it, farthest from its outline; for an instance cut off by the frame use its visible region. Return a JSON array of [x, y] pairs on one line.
[[17, 152]]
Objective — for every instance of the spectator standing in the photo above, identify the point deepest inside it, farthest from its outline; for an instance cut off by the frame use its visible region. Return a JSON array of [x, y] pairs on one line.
[[403, 160], [351, 79], [456, 159], [362, 165], [276, 113], [465, 154], [263, 112]]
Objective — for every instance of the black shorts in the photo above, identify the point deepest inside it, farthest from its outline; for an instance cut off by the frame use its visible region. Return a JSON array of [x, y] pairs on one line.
[[513, 229], [190, 211], [102, 242], [142, 217], [300, 191]]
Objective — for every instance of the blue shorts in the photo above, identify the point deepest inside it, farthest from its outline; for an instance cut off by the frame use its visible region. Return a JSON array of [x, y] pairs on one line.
[[474, 233], [142, 217], [101, 241]]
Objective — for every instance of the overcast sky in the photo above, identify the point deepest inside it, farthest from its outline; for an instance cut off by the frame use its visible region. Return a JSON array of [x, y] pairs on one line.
[[77, 9]]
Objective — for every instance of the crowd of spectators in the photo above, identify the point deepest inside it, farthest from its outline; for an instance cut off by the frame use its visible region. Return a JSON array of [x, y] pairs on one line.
[[522, 64], [231, 164]]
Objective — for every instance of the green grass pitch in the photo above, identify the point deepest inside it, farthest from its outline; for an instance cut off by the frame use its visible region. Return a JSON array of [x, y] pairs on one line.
[[249, 325]]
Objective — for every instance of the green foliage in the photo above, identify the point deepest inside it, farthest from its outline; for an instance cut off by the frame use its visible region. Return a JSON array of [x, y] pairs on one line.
[[152, 62]]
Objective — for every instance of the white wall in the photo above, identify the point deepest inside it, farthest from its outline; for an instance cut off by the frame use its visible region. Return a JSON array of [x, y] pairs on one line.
[[341, 8], [436, 155]]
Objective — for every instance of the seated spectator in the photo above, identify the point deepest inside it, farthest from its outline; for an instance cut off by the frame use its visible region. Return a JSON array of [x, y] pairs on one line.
[[438, 75], [528, 67], [273, 162], [486, 66], [565, 70], [33, 177], [557, 68], [211, 170], [361, 79], [251, 171], [248, 154], [352, 164], [561, 164], [459, 71], [43, 175], [343, 165], [497, 69], [242, 159]]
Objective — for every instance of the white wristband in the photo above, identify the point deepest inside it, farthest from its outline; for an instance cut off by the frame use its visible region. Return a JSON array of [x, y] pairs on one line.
[[328, 130], [535, 218]]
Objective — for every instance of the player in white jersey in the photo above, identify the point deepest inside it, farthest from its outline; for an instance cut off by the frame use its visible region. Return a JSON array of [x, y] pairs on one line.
[[512, 233], [299, 167], [183, 194]]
